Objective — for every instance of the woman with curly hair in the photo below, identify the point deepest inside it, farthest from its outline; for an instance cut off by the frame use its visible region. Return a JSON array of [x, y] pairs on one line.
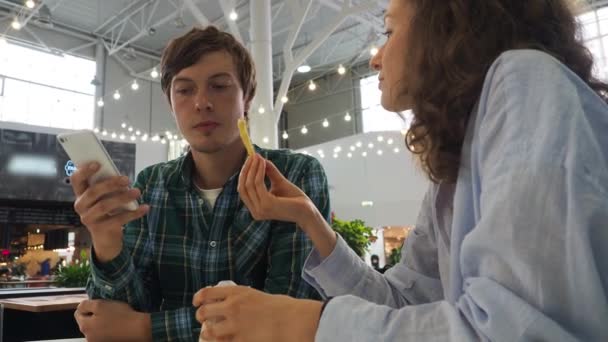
[[510, 244]]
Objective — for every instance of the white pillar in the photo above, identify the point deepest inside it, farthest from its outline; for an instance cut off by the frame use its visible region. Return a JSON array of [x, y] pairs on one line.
[[100, 58], [262, 125]]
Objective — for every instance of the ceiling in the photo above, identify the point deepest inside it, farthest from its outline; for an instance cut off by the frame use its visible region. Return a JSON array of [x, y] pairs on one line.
[[145, 26]]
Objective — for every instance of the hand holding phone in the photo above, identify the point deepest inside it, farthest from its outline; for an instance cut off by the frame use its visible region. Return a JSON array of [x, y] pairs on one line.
[[103, 198]]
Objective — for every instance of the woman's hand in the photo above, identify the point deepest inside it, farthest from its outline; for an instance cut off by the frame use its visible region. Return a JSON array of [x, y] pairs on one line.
[[238, 313], [284, 201]]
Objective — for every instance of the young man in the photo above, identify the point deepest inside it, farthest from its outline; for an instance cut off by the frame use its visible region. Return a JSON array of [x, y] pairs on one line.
[[192, 229]]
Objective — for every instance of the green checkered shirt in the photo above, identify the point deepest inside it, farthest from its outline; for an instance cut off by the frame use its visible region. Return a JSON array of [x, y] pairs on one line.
[[183, 245]]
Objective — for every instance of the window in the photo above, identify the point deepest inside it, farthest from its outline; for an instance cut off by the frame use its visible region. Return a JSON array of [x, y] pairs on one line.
[[46, 89], [376, 118], [595, 34]]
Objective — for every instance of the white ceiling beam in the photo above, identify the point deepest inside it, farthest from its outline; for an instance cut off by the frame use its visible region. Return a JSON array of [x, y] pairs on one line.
[[116, 16], [196, 12], [378, 26], [345, 11], [302, 13], [232, 25]]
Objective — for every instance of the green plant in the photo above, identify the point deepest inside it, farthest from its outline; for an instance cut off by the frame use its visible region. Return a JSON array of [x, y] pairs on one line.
[[74, 274], [356, 234], [395, 256]]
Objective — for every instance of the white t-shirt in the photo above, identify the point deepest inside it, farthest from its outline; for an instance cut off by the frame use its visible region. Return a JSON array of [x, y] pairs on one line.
[[209, 195]]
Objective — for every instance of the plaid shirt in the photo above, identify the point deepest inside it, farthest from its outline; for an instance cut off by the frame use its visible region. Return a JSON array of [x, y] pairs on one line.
[[181, 246]]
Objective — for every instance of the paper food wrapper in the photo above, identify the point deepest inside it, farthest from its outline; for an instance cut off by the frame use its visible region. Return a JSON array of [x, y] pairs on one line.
[[221, 283]]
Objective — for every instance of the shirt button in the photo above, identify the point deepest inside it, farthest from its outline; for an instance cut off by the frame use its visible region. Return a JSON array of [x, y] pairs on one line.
[[213, 244]]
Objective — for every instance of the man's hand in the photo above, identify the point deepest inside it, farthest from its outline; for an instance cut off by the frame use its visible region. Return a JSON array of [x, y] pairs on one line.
[[106, 320], [95, 204]]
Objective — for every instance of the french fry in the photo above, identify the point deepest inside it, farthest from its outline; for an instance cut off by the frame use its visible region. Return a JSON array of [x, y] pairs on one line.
[[245, 137]]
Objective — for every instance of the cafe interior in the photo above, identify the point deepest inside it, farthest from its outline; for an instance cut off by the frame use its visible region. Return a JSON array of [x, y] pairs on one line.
[[94, 65]]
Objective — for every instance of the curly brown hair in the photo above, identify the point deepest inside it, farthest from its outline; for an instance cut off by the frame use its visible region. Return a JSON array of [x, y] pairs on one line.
[[456, 42]]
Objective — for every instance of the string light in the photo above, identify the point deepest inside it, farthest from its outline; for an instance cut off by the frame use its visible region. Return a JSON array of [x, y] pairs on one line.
[[349, 155], [359, 144], [16, 25], [265, 140], [304, 130], [122, 136], [341, 70], [373, 51], [163, 141], [113, 135], [104, 133], [144, 137], [285, 135], [133, 138], [352, 148], [100, 103], [261, 110], [370, 145], [347, 117], [116, 95], [155, 138], [396, 150], [96, 130], [380, 152], [325, 123], [390, 141], [138, 132], [135, 85], [130, 129], [123, 125], [284, 99], [380, 138], [312, 86], [233, 15], [364, 154], [30, 4], [154, 73]]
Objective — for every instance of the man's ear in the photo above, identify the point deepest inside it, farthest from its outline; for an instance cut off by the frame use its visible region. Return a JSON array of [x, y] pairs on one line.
[[248, 104]]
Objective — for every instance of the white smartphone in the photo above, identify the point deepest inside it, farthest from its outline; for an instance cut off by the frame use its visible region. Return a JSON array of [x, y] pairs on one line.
[[84, 147]]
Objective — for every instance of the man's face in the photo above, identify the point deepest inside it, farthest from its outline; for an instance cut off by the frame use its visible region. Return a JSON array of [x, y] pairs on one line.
[[207, 101]]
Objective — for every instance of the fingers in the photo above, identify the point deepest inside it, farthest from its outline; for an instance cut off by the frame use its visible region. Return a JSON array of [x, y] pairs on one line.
[[217, 293], [222, 330], [212, 312], [79, 178], [251, 179], [96, 192], [109, 204], [273, 173]]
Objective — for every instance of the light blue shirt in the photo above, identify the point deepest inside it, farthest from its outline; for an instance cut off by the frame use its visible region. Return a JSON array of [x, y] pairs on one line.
[[517, 250]]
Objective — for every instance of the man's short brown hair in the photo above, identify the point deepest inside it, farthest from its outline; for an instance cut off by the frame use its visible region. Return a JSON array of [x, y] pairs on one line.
[[187, 50]]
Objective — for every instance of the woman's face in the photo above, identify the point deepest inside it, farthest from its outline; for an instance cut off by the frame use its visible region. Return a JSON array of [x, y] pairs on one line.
[[390, 59]]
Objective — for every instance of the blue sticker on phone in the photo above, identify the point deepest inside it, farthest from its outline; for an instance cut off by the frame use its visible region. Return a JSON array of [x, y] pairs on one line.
[[69, 168]]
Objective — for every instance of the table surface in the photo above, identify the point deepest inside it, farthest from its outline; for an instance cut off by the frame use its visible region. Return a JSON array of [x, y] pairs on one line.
[[65, 340], [44, 303]]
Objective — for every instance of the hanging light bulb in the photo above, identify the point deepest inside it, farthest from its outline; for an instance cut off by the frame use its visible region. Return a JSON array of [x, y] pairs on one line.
[[144, 137], [130, 129], [30, 4], [347, 117], [341, 70], [154, 73], [233, 15], [380, 152], [265, 140], [284, 99], [373, 51], [396, 150], [380, 138], [100, 103], [390, 141], [285, 135], [133, 138], [138, 132], [116, 95], [123, 125], [122, 136], [325, 123], [364, 154], [113, 135], [335, 155], [261, 110], [304, 130], [155, 138], [96, 130], [312, 86], [104, 133], [16, 25], [352, 148], [359, 144], [370, 145], [134, 85], [349, 155]]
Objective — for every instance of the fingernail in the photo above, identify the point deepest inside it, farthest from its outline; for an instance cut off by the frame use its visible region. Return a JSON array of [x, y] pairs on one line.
[[124, 180], [93, 166]]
